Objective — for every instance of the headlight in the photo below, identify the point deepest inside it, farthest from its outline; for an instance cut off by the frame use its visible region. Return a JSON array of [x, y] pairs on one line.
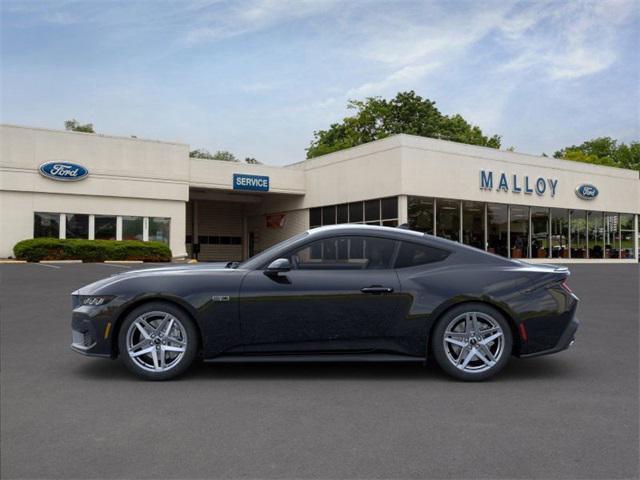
[[95, 300]]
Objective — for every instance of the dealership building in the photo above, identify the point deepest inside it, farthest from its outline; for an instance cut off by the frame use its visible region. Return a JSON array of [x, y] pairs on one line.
[[78, 185]]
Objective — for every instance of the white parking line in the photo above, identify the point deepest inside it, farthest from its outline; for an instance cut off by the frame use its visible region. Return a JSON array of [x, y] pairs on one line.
[[46, 265], [113, 265]]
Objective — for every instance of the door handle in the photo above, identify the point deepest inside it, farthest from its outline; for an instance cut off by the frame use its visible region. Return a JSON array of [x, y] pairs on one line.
[[376, 289]]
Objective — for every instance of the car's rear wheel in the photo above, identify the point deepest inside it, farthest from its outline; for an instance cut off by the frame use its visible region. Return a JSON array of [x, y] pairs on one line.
[[158, 341], [472, 342]]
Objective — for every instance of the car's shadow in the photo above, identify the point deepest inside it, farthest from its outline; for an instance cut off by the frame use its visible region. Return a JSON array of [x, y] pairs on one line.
[[516, 371]]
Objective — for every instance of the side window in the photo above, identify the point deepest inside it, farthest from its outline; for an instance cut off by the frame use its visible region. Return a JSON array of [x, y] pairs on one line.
[[413, 254], [344, 253]]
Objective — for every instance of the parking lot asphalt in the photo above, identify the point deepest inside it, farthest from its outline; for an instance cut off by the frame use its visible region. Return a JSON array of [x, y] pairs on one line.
[[570, 415]]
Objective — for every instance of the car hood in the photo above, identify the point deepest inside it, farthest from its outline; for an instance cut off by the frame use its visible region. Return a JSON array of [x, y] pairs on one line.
[[173, 270]]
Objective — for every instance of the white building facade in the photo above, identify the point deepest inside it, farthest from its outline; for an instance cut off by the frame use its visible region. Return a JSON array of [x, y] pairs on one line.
[[76, 185]]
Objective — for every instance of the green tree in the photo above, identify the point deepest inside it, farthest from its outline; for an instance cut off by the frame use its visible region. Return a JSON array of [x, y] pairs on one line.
[[377, 118], [75, 126], [224, 155], [219, 155], [604, 151], [201, 153]]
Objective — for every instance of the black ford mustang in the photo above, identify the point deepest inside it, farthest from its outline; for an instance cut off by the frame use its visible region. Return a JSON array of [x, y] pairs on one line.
[[336, 293]]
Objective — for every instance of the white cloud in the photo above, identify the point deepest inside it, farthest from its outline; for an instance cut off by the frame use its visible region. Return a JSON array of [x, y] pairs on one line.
[[403, 78], [250, 16], [564, 41]]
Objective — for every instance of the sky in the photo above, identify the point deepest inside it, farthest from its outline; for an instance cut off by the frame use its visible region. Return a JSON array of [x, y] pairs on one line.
[[258, 77]]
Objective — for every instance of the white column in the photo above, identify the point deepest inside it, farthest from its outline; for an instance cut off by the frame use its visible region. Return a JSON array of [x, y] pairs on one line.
[[530, 237], [63, 225], [403, 209], [435, 210], [569, 232], [635, 237], [586, 234], [508, 231], [486, 227], [92, 227], [461, 222], [549, 246], [118, 228], [145, 229]]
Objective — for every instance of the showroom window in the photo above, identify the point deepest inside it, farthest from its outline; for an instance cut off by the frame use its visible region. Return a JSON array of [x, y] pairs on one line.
[[372, 212], [448, 219], [578, 234], [595, 235], [342, 213], [77, 226], [329, 215], [519, 232], [559, 233], [132, 228], [105, 227], [626, 236], [380, 211], [539, 232], [159, 228], [611, 235], [46, 225], [356, 212], [497, 229], [421, 214], [473, 224]]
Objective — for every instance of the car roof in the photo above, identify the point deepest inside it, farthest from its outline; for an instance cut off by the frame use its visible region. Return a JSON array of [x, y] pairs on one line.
[[350, 228]]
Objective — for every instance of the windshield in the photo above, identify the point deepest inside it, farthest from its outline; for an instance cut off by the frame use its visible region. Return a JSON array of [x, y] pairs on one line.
[[260, 258]]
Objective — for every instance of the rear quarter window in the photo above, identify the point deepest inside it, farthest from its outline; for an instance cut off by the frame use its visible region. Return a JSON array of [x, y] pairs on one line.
[[414, 254]]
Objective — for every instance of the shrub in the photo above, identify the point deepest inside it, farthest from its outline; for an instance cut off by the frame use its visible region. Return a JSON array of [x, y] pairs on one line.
[[36, 249]]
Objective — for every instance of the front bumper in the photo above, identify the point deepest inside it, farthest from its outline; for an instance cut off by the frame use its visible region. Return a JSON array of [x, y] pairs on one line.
[[566, 340], [91, 331]]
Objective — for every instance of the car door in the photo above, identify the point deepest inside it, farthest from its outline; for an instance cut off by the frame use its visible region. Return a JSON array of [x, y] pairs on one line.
[[340, 294]]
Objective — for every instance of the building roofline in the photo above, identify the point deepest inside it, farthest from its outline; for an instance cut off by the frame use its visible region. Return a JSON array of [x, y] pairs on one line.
[[448, 146], [102, 135]]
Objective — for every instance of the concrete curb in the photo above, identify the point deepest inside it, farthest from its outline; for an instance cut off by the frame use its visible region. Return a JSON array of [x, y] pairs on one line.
[[8, 261], [123, 261], [60, 261]]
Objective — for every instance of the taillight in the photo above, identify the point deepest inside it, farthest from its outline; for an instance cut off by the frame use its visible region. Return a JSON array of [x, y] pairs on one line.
[[566, 287]]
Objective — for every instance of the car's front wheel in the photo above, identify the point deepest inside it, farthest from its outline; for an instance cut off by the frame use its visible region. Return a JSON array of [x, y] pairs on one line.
[[158, 341], [472, 342]]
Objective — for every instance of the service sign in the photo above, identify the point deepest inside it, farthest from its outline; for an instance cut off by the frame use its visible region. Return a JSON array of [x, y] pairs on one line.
[[586, 191], [257, 183], [63, 171]]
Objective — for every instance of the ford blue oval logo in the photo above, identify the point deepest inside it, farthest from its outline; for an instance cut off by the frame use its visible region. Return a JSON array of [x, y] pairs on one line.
[[586, 191], [64, 171]]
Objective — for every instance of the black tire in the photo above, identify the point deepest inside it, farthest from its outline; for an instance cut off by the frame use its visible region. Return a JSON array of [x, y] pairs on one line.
[[446, 355], [188, 331]]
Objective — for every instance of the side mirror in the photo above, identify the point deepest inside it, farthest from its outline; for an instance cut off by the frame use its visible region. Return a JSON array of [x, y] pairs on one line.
[[278, 265]]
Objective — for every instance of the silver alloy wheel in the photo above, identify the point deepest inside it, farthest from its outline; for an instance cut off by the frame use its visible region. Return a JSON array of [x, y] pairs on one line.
[[474, 342], [156, 341]]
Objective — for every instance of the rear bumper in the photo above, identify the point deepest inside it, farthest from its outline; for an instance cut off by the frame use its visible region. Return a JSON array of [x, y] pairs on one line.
[[566, 340]]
